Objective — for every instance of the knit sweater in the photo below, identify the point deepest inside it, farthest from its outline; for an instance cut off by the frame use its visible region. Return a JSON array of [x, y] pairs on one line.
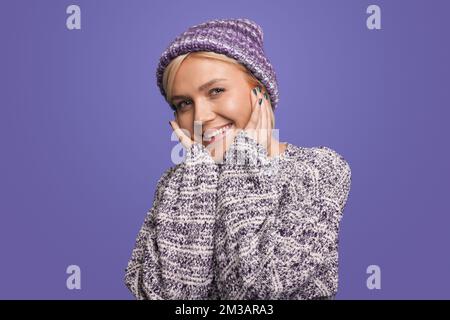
[[251, 227]]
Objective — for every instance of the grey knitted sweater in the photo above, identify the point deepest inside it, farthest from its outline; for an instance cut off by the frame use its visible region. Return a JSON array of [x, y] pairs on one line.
[[251, 227]]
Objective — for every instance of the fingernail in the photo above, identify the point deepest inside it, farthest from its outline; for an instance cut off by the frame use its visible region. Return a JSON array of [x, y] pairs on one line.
[[266, 96], [259, 89], [254, 91], [260, 101]]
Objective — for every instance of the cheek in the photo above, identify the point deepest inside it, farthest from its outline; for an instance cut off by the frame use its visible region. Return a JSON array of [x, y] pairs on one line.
[[237, 109]]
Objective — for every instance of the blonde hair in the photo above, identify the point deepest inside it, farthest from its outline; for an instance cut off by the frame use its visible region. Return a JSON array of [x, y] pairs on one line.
[[172, 68]]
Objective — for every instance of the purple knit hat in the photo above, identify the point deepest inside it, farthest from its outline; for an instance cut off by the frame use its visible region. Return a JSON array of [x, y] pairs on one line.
[[241, 39]]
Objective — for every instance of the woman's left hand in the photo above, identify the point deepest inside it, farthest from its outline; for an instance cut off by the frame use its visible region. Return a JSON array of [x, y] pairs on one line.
[[259, 126]]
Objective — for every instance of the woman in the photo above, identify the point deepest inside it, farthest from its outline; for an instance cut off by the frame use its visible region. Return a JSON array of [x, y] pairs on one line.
[[243, 216]]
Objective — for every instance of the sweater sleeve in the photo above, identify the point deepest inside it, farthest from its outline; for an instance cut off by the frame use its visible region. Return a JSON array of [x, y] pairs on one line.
[[274, 242], [331, 181], [172, 257]]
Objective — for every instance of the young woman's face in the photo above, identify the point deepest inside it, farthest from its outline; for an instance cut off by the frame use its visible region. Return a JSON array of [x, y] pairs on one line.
[[212, 92]]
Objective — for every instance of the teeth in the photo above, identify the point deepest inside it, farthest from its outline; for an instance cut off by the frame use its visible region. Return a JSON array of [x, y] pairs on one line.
[[216, 132]]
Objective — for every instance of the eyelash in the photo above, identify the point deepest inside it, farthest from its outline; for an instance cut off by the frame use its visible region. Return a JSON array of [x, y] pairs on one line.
[[177, 106]]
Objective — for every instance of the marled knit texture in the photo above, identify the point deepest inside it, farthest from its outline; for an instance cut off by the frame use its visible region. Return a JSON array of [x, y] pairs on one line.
[[240, 39], [248, 228]]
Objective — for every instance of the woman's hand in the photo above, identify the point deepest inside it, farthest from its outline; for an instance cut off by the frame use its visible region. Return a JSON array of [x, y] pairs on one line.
[[182, 137], [259, 127], [187, 142], [215, 152]]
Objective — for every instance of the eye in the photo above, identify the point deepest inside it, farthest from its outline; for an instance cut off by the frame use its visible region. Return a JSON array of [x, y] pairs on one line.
[[218, 90], [180, 106]]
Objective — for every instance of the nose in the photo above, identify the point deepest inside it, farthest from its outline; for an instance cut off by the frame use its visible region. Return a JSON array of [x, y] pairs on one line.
[[203, 113]]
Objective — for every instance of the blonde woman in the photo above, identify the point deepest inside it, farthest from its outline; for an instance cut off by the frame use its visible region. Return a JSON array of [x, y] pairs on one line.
[[243, 216]]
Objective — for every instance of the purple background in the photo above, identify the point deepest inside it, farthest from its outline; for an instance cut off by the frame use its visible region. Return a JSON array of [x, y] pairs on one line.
[[85, 135]]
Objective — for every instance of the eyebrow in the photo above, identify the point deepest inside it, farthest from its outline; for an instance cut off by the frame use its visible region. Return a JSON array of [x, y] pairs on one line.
[[201, 88]]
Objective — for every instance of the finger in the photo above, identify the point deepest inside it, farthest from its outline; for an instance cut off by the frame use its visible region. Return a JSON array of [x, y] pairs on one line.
[[182, 137], [262, 111], [268, 122], [253, 123], [258, 130], [254, 97], [269, 106], [260, 127], [257, 121], [254, 117]]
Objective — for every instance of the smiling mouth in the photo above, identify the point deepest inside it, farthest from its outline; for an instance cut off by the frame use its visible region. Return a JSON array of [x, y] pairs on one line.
[[212, 136]]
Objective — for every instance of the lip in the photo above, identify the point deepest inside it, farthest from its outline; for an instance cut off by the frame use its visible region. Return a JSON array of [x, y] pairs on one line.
[[215, 128], [220, 136]]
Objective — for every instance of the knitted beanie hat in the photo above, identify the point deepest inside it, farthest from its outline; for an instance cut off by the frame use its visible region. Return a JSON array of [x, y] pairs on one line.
[[240, 39]]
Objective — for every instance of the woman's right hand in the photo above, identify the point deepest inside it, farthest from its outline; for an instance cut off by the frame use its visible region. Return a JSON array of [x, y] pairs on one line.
[[182, 137], [187, 142]]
